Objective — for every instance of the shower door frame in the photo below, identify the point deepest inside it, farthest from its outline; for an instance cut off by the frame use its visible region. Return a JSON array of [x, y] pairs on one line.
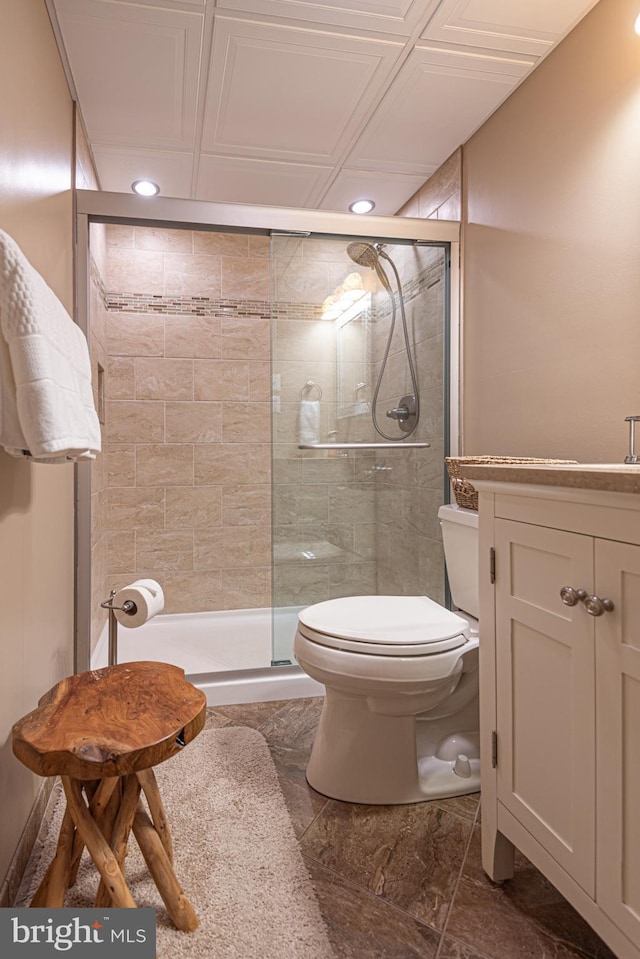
[[92, 206]]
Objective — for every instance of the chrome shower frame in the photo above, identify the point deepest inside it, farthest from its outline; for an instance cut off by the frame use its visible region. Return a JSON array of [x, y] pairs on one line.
[[167, 212]]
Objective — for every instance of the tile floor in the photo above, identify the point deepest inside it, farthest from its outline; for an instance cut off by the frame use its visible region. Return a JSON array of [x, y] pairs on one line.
[[402, 882]]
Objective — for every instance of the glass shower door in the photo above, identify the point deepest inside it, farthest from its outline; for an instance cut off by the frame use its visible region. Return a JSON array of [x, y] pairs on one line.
[[355, 517]]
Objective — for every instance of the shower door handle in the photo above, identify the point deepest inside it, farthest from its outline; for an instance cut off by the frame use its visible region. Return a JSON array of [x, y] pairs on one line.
[[399, 445]]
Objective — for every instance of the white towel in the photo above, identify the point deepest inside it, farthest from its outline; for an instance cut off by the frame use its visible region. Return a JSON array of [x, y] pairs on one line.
[[309, 421], [46, 400]]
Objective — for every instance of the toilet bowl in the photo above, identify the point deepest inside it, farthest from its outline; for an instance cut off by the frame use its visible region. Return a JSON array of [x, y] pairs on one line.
[[400, 718]]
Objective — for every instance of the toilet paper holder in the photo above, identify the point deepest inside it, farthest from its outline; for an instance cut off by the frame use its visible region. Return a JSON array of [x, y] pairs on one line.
[[128, 607]]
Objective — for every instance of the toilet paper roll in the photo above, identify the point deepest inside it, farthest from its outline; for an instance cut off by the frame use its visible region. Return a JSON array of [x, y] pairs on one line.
[[149, 600], [149, 584]]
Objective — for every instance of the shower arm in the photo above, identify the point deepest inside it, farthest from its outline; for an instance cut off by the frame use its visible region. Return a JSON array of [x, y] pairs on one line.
[[394, 445]]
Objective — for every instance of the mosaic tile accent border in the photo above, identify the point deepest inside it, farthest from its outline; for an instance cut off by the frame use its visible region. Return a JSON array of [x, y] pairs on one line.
[[116, 302], [185, 305]]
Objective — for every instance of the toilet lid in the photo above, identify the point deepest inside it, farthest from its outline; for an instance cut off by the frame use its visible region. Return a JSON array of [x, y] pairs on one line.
[[384, 625]]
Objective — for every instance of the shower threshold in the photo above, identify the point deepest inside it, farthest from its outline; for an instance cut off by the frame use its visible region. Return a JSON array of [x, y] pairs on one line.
[[257, 685]]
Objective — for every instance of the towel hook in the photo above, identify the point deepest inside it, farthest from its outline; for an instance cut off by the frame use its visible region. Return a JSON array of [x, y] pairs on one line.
[[308, 387]]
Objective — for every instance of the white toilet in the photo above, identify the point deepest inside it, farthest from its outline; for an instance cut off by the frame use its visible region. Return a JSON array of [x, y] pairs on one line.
[[400, 719]]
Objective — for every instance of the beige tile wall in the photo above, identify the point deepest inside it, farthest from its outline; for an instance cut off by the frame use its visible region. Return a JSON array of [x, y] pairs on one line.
[[321, 507], [440, 198], [378, 511], [187, 453], [410, 485]]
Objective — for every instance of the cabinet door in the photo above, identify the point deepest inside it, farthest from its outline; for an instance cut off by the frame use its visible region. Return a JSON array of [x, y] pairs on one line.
[[618, 730], [545, 691]]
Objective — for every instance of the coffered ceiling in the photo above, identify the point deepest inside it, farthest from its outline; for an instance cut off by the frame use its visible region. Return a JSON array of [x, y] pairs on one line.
[[301, 103]]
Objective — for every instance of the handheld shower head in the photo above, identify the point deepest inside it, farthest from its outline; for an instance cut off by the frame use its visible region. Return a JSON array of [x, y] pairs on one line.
[[368, 254], [364, 254]]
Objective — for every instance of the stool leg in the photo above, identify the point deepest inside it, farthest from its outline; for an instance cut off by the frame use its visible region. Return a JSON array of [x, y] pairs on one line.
[[156, 808], [97, 845], [178, 906], [107, 823], [51, 890], [98, 793], [121, 830]]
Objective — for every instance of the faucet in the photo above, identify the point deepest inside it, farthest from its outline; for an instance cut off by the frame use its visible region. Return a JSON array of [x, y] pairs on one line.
[[632, 456]]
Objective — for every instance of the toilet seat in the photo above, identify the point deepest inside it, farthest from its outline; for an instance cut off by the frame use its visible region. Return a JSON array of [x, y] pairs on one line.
[[384, 625]]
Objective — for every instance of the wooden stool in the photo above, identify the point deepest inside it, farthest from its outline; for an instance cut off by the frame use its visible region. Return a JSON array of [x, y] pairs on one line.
[[102, 732]]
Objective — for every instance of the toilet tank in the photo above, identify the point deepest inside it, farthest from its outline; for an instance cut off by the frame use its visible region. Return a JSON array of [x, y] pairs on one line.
[[460, 540]]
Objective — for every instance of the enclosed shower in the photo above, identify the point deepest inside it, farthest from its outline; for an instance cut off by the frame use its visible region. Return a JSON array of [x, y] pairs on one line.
[[275, 421]]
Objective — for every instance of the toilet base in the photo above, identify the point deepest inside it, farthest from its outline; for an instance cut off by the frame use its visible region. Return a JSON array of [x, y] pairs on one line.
[[366, 757], [438, 780]]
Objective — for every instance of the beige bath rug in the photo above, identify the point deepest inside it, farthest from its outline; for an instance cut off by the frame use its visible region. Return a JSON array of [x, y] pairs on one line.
[[236, 857]]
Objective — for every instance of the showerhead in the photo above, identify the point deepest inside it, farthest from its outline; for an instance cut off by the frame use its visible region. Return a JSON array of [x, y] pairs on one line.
[[368, 254], [364, 254]]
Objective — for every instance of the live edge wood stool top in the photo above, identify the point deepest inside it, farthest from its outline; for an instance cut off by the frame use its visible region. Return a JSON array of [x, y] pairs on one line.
[[102, 731], [110, 722]]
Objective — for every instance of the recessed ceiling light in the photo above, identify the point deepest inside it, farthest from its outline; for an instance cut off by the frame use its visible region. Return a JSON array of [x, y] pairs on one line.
[[361, 206], [145, 187], [637, 24]]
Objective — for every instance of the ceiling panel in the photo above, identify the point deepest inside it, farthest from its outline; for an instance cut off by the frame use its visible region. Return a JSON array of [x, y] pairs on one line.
[[387, 190], [520, 26], [435, 94], [118, 167], [286, 93], [135, 69], [194, 5], [397, 17], [237, 180]]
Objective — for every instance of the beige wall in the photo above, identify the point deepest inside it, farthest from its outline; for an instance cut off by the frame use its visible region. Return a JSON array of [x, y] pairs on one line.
[[36, 502], [552, 253]]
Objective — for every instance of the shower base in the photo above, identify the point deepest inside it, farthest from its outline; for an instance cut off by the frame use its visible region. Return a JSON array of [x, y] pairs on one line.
[[227, 654]]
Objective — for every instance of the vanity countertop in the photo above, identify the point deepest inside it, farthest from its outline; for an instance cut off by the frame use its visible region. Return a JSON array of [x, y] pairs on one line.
[[612, 477]]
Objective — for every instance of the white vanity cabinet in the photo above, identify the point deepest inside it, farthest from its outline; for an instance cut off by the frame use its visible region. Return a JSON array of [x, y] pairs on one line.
[[560, 695]]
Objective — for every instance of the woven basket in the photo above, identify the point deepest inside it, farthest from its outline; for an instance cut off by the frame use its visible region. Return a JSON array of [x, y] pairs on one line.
[[465, 492]]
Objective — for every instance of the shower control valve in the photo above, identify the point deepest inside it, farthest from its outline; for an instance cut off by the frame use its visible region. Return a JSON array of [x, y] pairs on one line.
[[400, 413], [406, 413]]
